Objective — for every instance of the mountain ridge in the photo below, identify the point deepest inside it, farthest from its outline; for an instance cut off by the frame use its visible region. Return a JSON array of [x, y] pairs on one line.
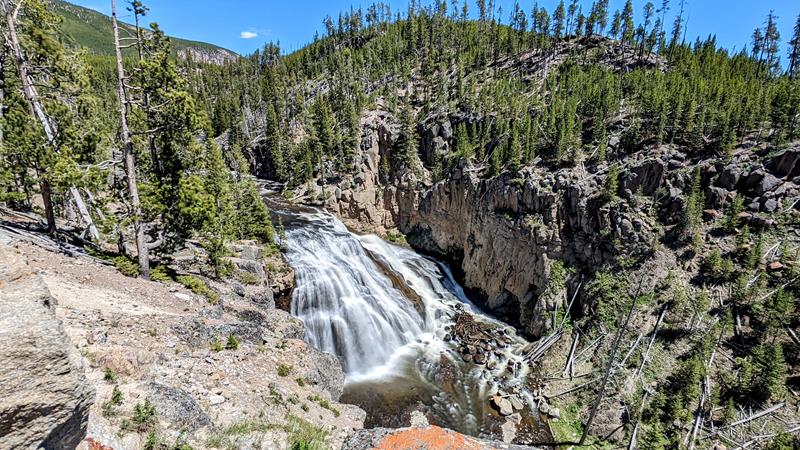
[[91, 29]]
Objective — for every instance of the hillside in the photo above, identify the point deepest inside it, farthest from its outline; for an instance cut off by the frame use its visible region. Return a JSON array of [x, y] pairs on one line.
[[92, 30], [571, 232]]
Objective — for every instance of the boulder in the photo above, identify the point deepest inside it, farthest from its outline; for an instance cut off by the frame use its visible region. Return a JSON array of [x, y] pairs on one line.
[[728, 177], [759, 182], [646, 177], [786, 164], [44, 395], [251, 266], [503, 405], [325, 373], [177, 407]]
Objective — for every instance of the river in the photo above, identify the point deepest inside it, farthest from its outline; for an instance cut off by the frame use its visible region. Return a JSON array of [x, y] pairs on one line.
[[388, 313]]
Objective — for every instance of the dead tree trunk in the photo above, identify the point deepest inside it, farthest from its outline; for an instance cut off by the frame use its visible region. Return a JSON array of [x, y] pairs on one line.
[[38, 111], [139, 11], [610, 365], [3, 56], [127, 153]]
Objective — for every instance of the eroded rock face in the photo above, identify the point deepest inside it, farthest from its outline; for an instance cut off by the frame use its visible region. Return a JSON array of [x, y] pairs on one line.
[[503, 232], [44, 395]]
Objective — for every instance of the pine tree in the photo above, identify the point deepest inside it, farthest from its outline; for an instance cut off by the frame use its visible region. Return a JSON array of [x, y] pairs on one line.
[[56, 89], [648, 12], [612, 183], [559, 16], [794, 51], [771, 46], [677, 28], [628, 28], [405, 153], [757, 45], [572, 11]]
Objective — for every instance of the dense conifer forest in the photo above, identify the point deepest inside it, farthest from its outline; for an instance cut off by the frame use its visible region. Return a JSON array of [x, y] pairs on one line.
[[153, 150]]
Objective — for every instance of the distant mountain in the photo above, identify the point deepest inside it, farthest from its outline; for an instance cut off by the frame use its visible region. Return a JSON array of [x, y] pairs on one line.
[[92, 30]]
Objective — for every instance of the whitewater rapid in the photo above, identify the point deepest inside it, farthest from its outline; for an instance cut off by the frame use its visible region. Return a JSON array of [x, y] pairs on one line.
[[386, 312]]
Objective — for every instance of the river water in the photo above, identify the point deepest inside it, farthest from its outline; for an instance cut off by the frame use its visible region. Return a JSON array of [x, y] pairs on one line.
[[387, 313]]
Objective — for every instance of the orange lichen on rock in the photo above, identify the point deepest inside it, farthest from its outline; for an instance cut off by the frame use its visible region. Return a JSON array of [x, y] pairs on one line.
[[94, 445], [430, 438]]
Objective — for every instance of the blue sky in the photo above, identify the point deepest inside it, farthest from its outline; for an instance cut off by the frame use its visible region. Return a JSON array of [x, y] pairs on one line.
[[244, 26]]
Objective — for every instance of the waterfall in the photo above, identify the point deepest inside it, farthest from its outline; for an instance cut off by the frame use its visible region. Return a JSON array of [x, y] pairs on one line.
[[349, 306], [387, 313]]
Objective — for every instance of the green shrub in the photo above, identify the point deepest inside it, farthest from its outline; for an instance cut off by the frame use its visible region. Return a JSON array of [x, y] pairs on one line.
[[109, 407], [715, 266], [142, 419], [152, 441], [126, 266], [116, 396], [232, 343], [160, 274], [301, 381], [216, 344], [199, 287], [247, 278], [284, 370], [395, 237], [109, 375]]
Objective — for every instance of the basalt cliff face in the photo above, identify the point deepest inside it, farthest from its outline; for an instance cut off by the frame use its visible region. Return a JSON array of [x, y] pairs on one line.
[[503, 233]]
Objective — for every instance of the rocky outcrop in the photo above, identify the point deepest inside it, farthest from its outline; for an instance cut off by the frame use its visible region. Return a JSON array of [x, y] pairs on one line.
[[502, 233], [207, 55], [44, 395]]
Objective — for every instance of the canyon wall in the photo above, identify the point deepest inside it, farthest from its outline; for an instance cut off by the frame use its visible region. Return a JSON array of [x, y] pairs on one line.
[[502, 234]]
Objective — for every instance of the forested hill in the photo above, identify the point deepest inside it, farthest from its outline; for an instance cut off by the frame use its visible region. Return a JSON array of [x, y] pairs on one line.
[[558, 86], [92, 30]]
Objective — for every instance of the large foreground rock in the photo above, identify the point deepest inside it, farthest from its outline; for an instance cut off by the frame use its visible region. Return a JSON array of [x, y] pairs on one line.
[[44, 395], [428, 438]]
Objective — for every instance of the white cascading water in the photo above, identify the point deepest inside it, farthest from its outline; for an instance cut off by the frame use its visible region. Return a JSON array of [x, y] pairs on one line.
[[349, 307], [384, 310]]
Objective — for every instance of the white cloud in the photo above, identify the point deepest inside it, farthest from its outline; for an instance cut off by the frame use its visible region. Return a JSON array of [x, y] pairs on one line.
[[248, 35]]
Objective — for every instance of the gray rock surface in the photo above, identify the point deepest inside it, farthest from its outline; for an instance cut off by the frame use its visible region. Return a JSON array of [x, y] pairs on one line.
[[44, 395], [177, 407]]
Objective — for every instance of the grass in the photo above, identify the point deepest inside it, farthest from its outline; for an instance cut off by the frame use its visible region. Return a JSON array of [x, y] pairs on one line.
[[142, 419], [325, 404], [568, 427], [232, 343], [199, 287], [109, 408], [302, 435]]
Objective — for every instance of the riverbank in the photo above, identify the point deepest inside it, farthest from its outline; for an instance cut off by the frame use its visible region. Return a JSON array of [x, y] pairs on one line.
[[169, 367]]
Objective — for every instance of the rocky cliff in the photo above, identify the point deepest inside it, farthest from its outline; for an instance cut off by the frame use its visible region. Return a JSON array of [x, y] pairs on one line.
[[44, 395], [503, 233]]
